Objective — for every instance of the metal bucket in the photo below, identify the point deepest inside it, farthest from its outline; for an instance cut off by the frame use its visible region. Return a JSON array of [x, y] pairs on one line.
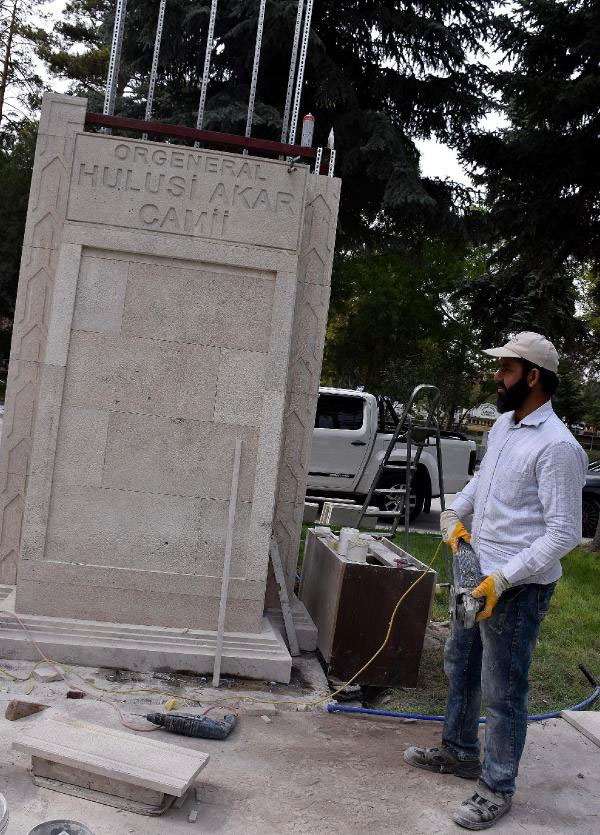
[[61, 827]]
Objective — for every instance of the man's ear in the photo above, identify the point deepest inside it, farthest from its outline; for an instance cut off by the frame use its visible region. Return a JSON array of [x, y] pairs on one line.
[[533, 377]]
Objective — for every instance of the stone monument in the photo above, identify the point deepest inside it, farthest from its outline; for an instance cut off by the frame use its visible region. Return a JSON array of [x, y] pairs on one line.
[[171, 301]]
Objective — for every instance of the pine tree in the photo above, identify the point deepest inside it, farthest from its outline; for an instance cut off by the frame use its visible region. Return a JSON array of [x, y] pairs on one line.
[[541, 172], [20, 84]]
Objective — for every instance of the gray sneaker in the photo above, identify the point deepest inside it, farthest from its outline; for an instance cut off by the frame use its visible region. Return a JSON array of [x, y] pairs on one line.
[[482, 809], [443, 761]]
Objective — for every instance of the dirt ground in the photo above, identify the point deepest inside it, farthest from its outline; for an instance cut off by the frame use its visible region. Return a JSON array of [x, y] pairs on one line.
[[314, 772]]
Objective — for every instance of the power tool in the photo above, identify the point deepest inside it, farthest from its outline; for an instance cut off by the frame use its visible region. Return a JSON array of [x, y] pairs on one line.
[[467, 576], [190, 724]]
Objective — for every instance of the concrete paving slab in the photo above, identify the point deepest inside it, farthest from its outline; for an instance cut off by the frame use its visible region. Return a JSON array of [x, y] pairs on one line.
[[586, 721], [313, 772]]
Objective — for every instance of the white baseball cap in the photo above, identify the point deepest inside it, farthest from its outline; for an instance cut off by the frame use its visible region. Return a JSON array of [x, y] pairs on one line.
[[531, 346]]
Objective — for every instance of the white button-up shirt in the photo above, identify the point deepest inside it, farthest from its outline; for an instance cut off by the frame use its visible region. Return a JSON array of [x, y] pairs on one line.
[[526, 497]]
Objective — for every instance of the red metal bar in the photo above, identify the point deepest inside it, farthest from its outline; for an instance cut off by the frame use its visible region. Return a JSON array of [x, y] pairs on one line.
[[212, 137]]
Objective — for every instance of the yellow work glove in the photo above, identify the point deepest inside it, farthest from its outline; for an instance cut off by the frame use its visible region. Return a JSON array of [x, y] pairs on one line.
[[492, 588], [453, 529]]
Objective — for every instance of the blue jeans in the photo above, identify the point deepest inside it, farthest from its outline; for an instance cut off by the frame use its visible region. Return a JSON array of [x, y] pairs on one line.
[[489, 664]]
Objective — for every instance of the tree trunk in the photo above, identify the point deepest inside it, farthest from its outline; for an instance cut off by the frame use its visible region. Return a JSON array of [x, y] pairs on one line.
[[6, 61]]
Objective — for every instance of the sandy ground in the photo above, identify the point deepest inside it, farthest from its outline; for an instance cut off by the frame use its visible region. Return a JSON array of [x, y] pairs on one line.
[[310, 772]]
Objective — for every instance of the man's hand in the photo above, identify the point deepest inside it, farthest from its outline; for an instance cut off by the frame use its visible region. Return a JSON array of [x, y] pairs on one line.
[[492, 588], [453, 529]]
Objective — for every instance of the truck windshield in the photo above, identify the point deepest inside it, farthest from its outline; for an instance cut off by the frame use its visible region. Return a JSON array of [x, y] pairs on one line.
[[339, 411]]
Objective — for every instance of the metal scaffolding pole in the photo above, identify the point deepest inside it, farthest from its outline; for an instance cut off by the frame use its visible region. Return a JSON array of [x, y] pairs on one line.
[[331, 146], [301, 67], [152, 83], [292, 75], [253, 83], [207, 58], [318, 160], [115, 59]]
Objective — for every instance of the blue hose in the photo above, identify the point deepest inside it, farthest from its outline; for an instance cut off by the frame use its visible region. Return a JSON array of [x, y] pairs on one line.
[[538, 717]]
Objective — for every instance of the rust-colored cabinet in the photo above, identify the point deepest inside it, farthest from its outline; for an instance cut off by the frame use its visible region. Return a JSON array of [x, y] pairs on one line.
[[351, 605]]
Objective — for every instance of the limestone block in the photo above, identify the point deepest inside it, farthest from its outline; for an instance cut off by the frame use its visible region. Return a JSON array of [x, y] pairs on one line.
[[306, 631], [267, 462], [276, 371], [296, 449], [100, 295], [39, 482], [177, 456], [112, 753], [49, 397], [32, 307], [261, 654], [287, 527], [12, 492], [284, 300], [19, 414], [145, 376], [147, 531], [241, 387], [309, 340], [311, 511], [346, 515], [152, 247], [81, 446], [587, 722], [63, 301], [310, 321], [150, 608], [47, 673], [229, 309], [168, 580], [61, 117], [186, 191]]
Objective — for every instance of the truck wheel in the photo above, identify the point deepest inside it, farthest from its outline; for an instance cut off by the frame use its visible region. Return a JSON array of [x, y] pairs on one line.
[[590, 513], [393, 501]]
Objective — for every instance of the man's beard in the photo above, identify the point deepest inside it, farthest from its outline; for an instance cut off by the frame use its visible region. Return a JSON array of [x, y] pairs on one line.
[[513, 397]]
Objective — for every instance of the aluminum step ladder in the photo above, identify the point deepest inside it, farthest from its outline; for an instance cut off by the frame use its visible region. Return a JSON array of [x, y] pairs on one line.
[[412, 431]]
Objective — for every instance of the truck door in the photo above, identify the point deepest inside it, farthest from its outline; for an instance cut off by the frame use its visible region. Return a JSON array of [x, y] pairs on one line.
[[341, 442]]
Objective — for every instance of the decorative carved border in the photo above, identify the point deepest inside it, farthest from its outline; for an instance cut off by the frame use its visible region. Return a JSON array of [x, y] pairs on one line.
[[61, 118], [310, 323]]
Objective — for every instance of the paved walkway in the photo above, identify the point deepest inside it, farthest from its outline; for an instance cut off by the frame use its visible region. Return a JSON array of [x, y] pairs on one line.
[[317, 773]]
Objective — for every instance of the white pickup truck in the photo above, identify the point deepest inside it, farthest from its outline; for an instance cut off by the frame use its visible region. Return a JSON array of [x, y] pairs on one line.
[[352, 432]]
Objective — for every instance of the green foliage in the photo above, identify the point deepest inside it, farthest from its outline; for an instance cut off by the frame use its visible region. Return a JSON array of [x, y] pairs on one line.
[[20, 35], [393, 325], [570, 400], [591, 408], [569, 636], [541, 172]]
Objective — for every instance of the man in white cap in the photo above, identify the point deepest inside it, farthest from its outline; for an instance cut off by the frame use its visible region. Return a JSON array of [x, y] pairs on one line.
[[526, 507]]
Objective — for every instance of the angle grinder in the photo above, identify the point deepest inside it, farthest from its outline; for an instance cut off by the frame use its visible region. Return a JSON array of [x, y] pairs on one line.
[[467, 576]]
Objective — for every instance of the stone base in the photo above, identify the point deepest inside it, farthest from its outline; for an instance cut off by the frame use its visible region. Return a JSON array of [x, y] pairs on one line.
[[311, 512], [306, 631], [347, 515], [146, 648]]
